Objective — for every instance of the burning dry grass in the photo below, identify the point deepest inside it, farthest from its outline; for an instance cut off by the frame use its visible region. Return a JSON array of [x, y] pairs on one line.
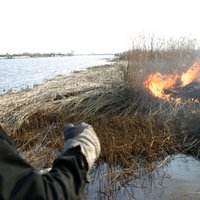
[[151, 55]]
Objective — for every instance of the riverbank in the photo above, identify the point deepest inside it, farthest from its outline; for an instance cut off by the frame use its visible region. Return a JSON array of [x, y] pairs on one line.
[[139, 126], [16, 108], [32, 55], [134, 129], [44, 55]]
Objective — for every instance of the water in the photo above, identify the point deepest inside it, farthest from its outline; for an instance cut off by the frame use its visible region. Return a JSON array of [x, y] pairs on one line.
[[17, 74], [179, 179]]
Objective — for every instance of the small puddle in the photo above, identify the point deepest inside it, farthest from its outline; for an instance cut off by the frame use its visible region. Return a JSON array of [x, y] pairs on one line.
[[178, 179]]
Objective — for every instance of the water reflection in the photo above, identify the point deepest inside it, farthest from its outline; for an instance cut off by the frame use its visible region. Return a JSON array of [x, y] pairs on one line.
[[178, 179]]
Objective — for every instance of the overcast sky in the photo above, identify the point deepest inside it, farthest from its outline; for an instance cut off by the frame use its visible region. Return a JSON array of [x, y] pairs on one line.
[[91, 26]]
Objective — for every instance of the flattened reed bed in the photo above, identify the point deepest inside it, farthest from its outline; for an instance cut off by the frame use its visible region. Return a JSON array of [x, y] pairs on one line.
[[54, 96]]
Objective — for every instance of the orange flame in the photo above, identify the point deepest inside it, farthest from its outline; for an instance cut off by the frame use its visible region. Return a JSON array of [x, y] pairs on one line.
[[191, 75], [157, 83]]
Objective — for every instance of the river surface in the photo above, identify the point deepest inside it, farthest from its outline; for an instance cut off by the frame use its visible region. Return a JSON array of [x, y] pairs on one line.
[[17, 74]]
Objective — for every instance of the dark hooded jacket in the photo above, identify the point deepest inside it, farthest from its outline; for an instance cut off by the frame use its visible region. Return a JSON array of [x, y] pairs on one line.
[[19, 180]]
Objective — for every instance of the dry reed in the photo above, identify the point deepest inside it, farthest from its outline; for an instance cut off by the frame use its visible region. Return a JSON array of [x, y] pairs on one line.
[[134, 128]]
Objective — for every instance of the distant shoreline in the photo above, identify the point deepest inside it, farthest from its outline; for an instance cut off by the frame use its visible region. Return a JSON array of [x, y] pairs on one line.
[[45, 55]]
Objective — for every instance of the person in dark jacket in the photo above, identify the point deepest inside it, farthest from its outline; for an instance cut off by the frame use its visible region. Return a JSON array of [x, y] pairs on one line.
[[65, 180]]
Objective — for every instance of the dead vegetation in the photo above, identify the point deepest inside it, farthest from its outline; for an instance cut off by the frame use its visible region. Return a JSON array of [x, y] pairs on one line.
[[134, 128]]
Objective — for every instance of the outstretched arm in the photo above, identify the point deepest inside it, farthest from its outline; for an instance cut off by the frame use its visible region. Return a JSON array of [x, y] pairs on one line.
[[66, 180]]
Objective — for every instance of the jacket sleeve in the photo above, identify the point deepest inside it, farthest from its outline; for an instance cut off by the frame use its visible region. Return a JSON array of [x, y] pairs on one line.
[[18, 180]]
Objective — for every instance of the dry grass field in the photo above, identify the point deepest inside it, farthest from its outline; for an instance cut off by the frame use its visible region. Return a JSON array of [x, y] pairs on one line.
[[134, 127]]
